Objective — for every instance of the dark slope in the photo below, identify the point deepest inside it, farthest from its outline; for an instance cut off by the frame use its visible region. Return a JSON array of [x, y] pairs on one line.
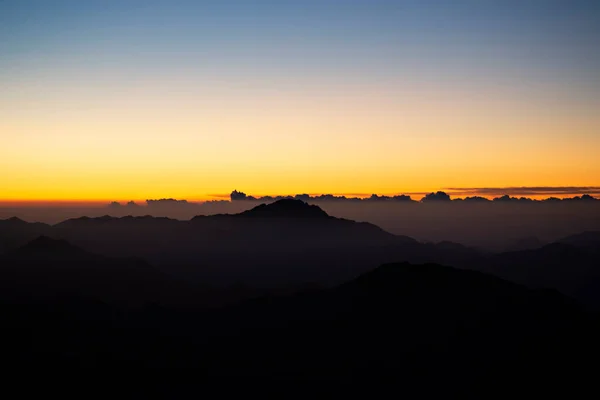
[[525, 243], [44, 248], [406, 323], [574, 270], [584, 239], [15, 232], [46, 268]]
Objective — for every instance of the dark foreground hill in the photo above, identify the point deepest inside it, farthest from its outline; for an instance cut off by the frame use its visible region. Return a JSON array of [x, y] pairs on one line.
[[451, 329]]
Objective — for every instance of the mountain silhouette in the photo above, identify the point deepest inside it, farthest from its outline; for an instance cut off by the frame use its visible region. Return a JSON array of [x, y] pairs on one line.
[[285, 208], [571, 269], [398, 321], [289, 243], [584, 239], [47, 248], [402, 322], [525, 243], [15, 232], [47, 267]]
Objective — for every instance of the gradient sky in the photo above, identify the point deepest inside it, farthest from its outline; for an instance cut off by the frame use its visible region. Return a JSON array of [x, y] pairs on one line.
[[147, 99]]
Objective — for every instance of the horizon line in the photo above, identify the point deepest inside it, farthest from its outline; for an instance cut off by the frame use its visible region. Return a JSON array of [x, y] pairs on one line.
[[529, 192]]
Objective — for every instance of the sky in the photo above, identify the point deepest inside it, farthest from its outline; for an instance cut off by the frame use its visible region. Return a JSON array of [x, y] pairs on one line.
[[121, 100]]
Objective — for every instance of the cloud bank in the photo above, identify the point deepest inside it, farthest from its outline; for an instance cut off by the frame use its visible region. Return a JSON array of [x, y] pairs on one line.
[[473, 195], [526, 191], [469, 195]]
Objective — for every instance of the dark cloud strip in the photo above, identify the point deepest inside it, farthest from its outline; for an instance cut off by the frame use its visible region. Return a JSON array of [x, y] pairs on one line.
[[526, 191], [470, 194], [466, 194]]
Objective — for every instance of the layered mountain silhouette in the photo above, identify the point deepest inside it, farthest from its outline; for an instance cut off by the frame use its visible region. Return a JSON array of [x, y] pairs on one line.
[[131, 292], [590, 239], [15, 232], [46, 268], [48, 249], [571, 265], [398, 322], [290, 243], [249, 247]]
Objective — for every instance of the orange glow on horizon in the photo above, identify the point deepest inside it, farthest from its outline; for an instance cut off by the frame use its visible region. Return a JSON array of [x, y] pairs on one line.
[[93, 203], [122, 107], [350, 139]]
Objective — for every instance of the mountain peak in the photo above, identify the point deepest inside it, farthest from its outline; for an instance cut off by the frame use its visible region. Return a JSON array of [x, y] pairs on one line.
[[400, 279], [587, 238], [13, 220], [47, 245], [286, 208]]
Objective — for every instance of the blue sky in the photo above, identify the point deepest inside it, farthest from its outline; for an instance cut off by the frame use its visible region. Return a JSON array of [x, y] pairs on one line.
[[540, 38]]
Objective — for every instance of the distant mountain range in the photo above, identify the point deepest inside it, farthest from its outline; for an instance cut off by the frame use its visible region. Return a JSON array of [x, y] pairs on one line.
[[289, 242], [248, 247]]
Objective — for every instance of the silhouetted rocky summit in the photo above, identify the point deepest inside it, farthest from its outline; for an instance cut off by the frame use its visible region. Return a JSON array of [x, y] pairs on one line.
[[286, 208]]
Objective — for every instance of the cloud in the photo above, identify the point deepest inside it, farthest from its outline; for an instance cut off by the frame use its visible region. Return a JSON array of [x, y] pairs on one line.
[[117, 205], [526, 191], [160, 202], [437, 196], [235, 196], [241, 196], [470, 195], [170, 205], [474, 199]]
